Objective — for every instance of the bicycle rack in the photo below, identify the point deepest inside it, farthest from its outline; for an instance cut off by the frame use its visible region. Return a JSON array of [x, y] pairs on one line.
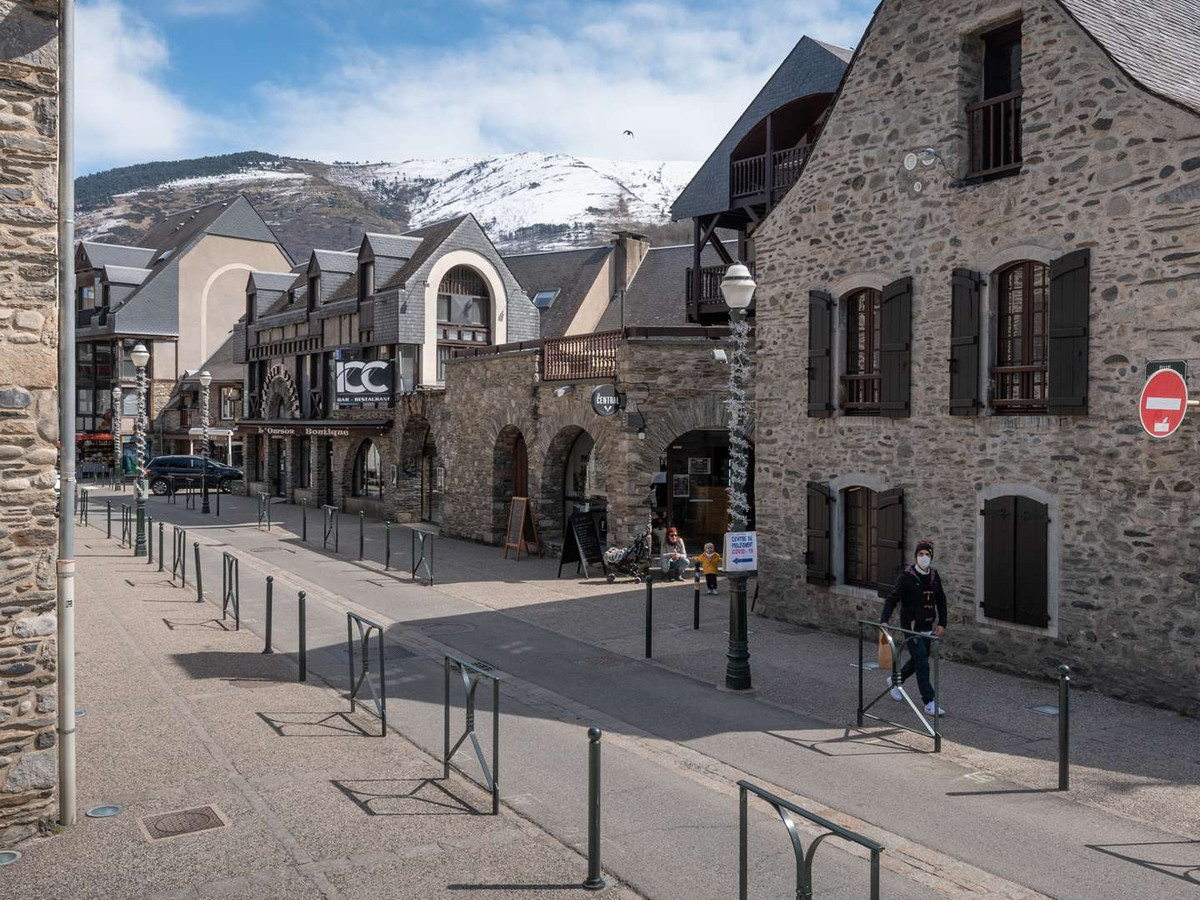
[[231, 589], [425, 559], [331, 526], [179, 554], [472, 674], [264, 510], [126, 525], [378, 699], [927, 729]]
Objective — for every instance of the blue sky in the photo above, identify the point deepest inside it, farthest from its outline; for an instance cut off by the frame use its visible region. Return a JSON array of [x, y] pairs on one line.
[[371, 80]]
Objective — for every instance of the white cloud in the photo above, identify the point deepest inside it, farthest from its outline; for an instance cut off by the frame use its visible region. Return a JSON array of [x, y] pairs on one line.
[[195, 8], [124, 114], [676, 76]]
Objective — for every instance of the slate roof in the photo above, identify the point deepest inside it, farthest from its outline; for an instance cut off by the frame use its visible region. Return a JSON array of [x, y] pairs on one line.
[[271, 281], [1155, 42], [220, 366], [812, 67], [125, 274], [99, 255], [344, 261], [658, 293], [432, 236], [397, 246], [571, 272]]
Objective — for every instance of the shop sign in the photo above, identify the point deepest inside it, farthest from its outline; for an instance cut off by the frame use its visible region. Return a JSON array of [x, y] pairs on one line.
[[361, 381], [741, 551], [605, 400]]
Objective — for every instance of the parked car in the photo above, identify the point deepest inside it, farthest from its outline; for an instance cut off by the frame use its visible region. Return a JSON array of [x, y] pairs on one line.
[[187, 472]]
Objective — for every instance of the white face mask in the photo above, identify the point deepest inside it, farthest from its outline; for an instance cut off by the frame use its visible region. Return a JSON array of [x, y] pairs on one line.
[[923, 561]]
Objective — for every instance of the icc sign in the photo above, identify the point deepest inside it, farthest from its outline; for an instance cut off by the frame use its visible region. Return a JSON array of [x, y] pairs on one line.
[[363, 381]]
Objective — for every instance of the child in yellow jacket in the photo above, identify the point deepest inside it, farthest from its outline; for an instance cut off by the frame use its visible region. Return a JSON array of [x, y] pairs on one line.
[[710, 563]]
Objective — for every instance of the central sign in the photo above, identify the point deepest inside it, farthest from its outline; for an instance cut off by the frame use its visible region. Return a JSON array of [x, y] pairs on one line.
[[1163, 403], [605, 400], [360, 381]]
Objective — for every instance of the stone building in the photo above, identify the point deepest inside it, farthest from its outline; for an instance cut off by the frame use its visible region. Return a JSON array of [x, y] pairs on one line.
[[994, 233], [28, 414], [178, 292]]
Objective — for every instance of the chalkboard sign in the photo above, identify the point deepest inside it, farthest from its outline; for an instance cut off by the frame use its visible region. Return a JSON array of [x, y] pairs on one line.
[[582, 545], [521, 531]]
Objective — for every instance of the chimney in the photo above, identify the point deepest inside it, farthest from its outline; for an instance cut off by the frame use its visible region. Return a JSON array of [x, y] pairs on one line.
[[629, 249]]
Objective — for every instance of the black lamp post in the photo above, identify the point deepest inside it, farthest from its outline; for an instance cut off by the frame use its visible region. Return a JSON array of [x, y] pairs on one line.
[[738, 289], [205, 381], [140, 356]]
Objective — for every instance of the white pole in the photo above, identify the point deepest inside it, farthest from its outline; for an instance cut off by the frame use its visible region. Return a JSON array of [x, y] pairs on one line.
[[66, 413]]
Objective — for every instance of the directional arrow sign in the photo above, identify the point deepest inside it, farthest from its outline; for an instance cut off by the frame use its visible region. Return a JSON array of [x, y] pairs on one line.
[[1163, 403]]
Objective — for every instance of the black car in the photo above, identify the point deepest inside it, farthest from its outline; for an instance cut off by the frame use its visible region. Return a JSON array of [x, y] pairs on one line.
[[187, 472]]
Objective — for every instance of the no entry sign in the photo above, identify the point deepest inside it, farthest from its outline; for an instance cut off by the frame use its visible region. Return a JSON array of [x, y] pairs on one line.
[[1163, 404]]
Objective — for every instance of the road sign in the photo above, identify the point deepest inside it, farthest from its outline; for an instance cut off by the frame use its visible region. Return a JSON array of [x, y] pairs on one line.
[[1163, 403], [605, 400], [1179, 365]]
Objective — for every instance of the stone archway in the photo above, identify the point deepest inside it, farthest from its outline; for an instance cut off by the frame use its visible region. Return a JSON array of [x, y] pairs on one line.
[[510, 476], [574, 474], [279, 393]]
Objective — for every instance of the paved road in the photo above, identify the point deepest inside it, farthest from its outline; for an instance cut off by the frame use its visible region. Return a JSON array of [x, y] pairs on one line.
[[674, 744]]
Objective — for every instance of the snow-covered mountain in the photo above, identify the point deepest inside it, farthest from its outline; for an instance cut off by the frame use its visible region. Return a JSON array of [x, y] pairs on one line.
[[524, 200]]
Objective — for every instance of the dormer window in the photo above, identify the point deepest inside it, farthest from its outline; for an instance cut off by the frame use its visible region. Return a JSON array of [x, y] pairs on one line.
[[366, 279], [994, 122], [314, 291]]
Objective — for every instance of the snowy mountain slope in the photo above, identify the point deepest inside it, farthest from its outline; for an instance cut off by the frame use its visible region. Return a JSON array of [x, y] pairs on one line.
[[524, 200]]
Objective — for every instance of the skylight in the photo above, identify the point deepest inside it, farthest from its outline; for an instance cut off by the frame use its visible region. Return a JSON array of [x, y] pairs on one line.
[[543, 299]]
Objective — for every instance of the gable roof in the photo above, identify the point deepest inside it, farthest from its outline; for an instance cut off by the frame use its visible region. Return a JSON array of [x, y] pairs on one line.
[[813, 67], [658, 293], [270, 281], [396, 246], [125, 274], [571, 272], [98, 255], [432, 237], [1155, 42], [343, 261]]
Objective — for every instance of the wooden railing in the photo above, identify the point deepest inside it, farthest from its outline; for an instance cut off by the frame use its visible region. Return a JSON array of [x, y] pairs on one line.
[[710, 284], [747, 176], [580, 356], [1020, 387], [788, 164], [862, 393], [994, 130]]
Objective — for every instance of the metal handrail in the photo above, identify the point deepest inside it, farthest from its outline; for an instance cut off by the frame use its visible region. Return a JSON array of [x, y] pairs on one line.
[[472, 674], [231, 591], [927, 729], [379, 699], [804, 859]]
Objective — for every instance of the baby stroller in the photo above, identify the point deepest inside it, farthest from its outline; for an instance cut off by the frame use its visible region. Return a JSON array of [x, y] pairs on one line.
[[633, 560]]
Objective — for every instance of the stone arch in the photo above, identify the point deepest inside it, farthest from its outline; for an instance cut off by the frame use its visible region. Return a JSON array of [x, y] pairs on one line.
[[510, 453], [665, 423], [433, 279], [279, 391], [552, 495]]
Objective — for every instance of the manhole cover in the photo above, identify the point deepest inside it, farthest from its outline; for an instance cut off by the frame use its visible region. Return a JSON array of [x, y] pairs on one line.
[[176, 824], [603, 662], [447, 628]]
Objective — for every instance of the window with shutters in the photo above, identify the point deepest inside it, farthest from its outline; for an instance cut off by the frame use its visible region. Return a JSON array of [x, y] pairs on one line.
[[818, 556], [994, 121], [964, 342], [860, 384], [820, 354], [1020, 375], [1016, 561], [861, 555]]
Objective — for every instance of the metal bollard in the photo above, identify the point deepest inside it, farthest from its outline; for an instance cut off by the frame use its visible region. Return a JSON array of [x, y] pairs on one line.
[[270, 591], [1064, 728], [108, 514], [218, 492], [360, 534], [387, 545], [149, 540], [303, 642], [649, 614], [594, 882], [199, 574], [304, 519], [160, 546], [696, 602]]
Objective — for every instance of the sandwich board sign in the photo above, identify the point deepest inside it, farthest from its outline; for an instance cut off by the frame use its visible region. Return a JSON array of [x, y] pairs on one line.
[[1163, 403]]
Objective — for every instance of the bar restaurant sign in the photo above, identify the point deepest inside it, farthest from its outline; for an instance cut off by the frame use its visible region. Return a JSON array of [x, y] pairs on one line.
[[360, 381]]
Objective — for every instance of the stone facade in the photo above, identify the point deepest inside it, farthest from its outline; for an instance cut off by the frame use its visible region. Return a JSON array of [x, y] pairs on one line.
[[1107, 166], [28, 415]]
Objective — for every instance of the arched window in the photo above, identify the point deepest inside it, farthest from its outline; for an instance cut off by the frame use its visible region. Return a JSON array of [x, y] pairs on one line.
[[861, 380], [464, 313], [368, 472], [861, 545], [1021, 366]]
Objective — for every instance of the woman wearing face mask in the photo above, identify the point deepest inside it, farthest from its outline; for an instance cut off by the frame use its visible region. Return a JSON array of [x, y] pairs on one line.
[[918, 592]]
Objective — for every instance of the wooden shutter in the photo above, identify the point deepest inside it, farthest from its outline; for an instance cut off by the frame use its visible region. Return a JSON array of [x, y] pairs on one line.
[[889, 541], [820, 354], [964, 343], [1067, 328], [999, 557], [1030, 594], [818, 557], [895, 353]]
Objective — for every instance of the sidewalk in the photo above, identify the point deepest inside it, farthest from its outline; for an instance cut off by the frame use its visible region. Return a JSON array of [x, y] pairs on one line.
[[580, 643], [180, 713]]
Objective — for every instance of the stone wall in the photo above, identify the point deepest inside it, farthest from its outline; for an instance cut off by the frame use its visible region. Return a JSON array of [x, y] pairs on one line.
[[1107, 166], [28, 415]]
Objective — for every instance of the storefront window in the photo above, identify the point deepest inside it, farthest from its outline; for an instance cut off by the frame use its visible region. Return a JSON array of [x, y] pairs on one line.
[[368, 472], [692, 493]]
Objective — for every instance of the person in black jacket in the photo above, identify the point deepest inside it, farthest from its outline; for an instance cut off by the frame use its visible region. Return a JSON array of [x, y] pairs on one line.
[[922, 601]]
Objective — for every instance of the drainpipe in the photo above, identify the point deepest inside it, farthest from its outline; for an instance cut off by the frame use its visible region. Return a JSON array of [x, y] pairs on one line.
[[66, 413]]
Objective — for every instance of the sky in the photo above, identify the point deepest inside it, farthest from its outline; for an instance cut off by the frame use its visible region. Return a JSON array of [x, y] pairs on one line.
[[373, 80]]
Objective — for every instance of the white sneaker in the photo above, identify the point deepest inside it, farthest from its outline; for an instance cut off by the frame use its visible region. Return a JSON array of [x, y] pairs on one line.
[[895, 692], [932, 709]]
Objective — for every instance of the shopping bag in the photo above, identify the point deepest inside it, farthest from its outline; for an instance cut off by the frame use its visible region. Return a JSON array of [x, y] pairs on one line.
[[885, 652]]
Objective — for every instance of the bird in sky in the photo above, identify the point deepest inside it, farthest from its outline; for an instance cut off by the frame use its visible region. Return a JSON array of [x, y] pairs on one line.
[[628, 132]]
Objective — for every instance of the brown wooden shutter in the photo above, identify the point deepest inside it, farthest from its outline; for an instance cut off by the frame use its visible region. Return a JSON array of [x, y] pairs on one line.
[[1070, 288], [964, 343], [895, 348], [820, 354], [1030, 594], [999, 557], [889, 541], [818, 558]]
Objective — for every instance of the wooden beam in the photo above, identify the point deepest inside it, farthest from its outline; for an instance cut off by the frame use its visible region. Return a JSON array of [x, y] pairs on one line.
[[752, 215], [700, 237], [720, 248], [770, 161]]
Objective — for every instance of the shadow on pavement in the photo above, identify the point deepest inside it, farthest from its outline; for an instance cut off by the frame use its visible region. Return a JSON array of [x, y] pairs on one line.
[[366, 800]]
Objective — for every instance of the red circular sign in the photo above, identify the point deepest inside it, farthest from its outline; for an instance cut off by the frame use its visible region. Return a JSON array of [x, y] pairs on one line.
[[1163, 403]]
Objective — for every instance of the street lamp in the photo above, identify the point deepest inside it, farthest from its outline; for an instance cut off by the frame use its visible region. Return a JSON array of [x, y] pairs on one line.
[[116, 427], [205, 381], [738, 289], [140, 356]]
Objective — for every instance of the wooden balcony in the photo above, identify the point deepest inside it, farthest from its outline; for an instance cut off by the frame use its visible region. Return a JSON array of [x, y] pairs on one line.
[[994, 133], [579, 357], [711, 299], [748, 177]]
